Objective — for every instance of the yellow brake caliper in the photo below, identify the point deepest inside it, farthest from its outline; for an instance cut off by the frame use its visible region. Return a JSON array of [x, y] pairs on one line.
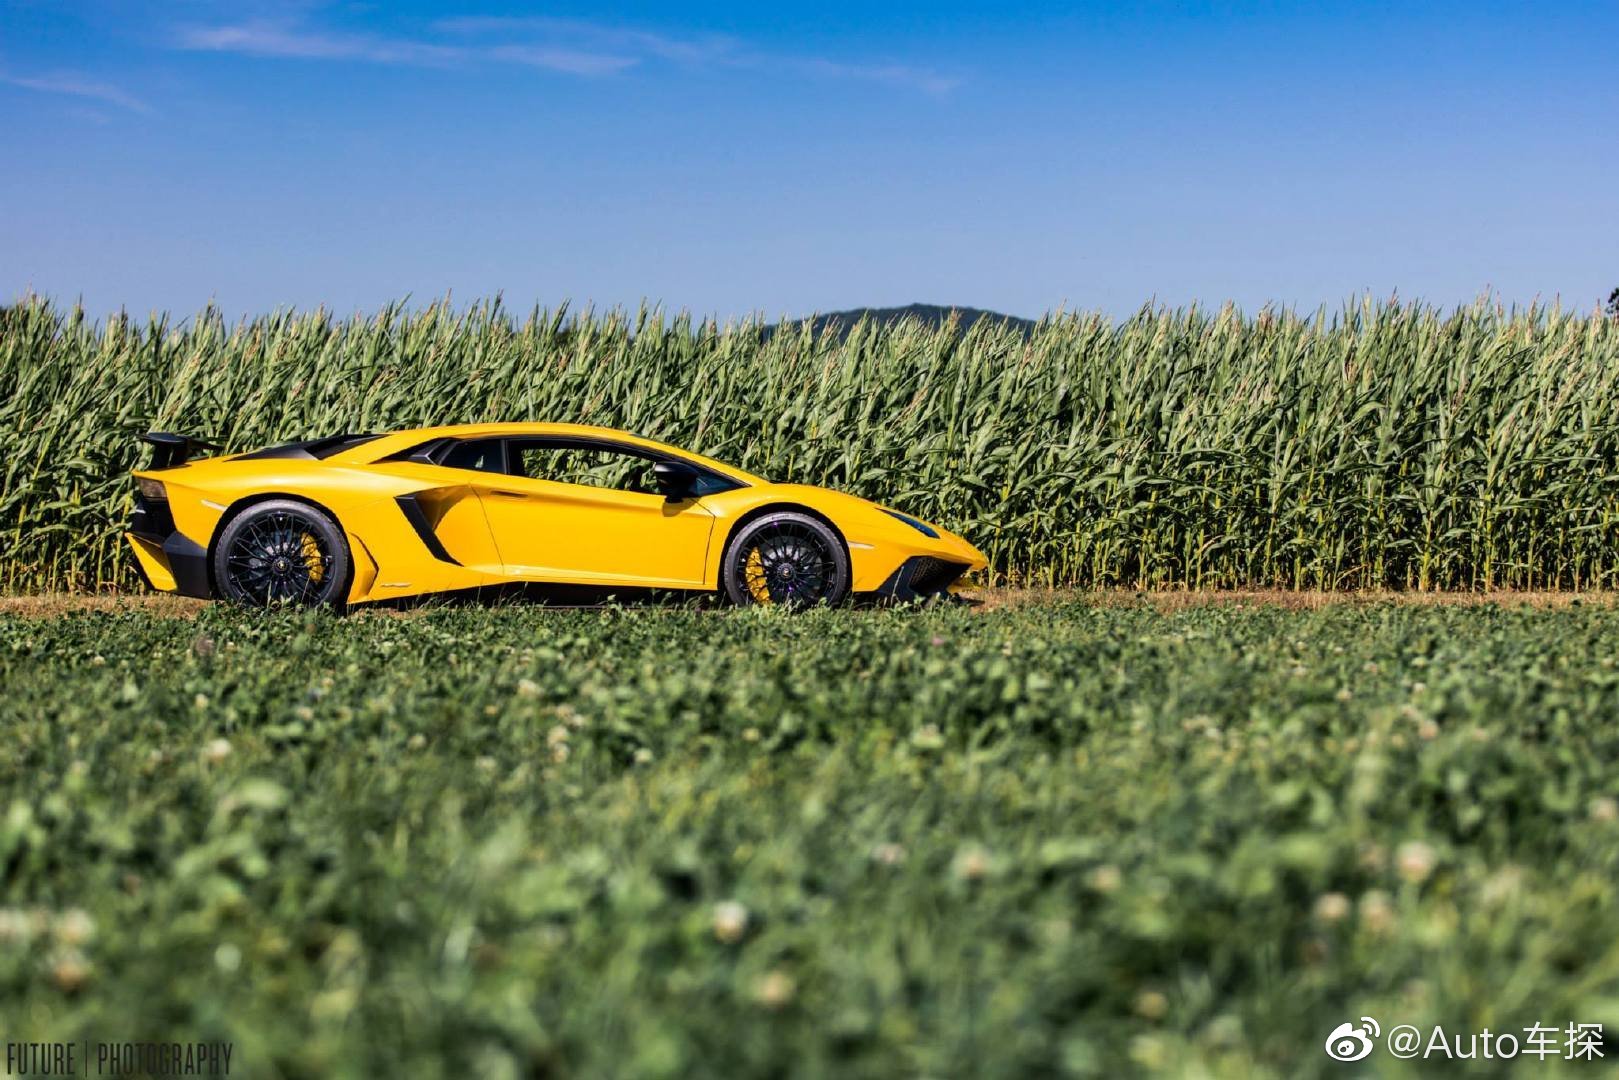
[[753, 572], [310, 550]]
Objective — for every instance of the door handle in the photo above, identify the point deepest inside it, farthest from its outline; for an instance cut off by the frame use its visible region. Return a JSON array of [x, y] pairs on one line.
[[506, 494]]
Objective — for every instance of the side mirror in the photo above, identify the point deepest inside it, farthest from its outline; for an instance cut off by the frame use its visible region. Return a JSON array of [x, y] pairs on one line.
[[676, 480]]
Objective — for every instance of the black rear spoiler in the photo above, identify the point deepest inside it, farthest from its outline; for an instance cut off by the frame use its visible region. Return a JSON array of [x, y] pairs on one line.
[[170, 450]]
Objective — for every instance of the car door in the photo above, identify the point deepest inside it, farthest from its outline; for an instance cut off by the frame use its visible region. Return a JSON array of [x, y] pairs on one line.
[[587, 511]]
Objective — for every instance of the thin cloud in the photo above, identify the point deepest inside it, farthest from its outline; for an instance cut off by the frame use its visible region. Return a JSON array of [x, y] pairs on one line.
[[271, 40], [288, 43], [582, 33], [705, 51], [77, 86], [567, 46], [930, 82], [564, 60]]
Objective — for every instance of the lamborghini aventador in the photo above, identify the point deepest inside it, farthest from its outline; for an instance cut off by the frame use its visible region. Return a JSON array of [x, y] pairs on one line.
[[352, 519]]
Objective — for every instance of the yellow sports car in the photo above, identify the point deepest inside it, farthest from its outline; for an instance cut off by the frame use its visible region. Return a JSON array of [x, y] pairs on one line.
[[357, 518]]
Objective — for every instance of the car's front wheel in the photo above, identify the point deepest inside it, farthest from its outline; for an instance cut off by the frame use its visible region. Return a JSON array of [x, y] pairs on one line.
[[786, 558], [281, 552]]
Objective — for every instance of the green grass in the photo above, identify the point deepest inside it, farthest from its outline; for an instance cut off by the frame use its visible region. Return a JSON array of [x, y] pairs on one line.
[[1022, 842], [1383, 445]]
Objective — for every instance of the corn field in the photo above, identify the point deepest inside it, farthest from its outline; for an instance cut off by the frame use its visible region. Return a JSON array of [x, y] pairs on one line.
[[1385, 444]]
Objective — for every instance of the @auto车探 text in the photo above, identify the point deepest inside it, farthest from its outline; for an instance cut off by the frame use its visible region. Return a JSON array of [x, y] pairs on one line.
[[1353, 1040]]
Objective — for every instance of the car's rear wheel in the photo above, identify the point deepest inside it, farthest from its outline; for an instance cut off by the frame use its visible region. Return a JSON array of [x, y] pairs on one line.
[[281, 552], [786, 558]]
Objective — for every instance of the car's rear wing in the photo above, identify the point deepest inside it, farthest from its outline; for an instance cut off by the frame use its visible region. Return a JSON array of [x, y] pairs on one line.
[[170, 450]]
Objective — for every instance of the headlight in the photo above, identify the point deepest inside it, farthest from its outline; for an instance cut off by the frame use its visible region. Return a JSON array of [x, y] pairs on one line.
[[921, 527], [151, 489]]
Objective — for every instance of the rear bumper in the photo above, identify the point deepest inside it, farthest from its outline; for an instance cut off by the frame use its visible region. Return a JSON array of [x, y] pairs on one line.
[[169, 560]]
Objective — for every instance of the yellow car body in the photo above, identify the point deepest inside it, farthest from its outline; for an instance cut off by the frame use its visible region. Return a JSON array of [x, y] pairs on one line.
[[414, 525]]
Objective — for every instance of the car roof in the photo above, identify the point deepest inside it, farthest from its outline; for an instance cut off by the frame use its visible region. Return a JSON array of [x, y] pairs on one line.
[[393, 443]]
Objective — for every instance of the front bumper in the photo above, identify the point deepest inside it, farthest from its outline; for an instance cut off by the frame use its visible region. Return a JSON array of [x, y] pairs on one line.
[[169, 560], [921, 577]]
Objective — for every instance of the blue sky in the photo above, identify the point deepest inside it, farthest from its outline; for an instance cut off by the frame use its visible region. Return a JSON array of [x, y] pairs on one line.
[[746, 158]]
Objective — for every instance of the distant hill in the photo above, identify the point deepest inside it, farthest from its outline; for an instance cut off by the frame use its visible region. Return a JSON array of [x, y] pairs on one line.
[[928, 314]]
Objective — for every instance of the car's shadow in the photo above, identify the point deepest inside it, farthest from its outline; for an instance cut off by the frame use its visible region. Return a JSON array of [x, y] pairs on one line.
[[573, 597]]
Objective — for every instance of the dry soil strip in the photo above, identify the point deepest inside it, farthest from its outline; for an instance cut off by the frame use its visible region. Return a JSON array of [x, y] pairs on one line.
[[58, 604]]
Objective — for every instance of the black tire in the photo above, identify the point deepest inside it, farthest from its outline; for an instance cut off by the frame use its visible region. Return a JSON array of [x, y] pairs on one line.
[[282, 552], [786, 558]]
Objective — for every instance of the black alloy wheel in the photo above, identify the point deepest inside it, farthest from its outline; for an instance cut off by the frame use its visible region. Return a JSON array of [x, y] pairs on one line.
[[789, 559], [281, 552]]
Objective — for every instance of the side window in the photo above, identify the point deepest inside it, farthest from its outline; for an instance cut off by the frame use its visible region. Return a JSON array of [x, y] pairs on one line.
[[711, 484], [590, 466], [480, 455]]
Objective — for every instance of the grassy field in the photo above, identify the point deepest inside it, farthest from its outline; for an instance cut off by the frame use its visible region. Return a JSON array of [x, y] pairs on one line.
[[1041, 838], [1380, 446]]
